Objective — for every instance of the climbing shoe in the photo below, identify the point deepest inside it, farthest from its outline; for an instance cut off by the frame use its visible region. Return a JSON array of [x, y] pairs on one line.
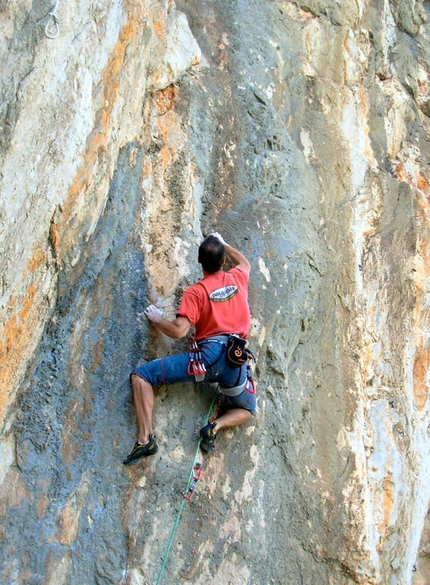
[[140, 451], [208, 437]]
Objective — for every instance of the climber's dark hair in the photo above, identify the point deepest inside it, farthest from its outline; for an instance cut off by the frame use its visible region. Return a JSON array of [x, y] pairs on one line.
[[211, 254]]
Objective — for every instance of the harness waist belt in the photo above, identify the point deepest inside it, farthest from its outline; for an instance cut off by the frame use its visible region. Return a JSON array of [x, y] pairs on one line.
[[234, 391], [218, 338]]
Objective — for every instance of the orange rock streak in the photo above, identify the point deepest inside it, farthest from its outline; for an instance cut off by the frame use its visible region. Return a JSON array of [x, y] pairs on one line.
[[24, 312], [420, 187]]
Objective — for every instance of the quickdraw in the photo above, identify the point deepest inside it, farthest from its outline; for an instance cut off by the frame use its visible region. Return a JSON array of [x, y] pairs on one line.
[[250, 385], [197, 473], [52, 28], [196, 367]]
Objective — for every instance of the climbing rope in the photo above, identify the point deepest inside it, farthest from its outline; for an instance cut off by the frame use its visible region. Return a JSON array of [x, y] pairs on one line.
[[194, 476], [52, 28]]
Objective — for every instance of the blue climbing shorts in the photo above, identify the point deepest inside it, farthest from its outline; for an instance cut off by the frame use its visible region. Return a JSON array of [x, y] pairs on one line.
[[173, 369]]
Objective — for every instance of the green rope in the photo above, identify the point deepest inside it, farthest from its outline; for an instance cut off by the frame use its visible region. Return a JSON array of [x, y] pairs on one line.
[[181, 507]]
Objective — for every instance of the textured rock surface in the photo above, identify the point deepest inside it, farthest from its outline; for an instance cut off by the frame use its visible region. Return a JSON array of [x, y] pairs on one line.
[[300, 131]]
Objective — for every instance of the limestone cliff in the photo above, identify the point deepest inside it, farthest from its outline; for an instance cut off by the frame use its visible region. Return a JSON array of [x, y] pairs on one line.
[[300, 131]]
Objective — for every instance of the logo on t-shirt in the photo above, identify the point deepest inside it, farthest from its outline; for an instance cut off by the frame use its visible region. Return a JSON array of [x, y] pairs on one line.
[[224, 293]]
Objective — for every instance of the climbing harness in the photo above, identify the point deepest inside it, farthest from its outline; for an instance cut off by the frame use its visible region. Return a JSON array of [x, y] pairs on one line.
[[196, 476], [52, 28], [193, 478], [196, 367]]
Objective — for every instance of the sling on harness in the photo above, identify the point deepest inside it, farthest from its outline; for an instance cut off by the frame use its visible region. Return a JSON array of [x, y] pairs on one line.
[[250, 385]]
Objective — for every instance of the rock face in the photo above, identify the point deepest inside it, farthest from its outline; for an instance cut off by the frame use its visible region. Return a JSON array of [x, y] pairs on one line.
[[300, 131]]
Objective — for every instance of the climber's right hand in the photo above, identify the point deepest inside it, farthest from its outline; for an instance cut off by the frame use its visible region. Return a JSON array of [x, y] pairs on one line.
[[219, 237]]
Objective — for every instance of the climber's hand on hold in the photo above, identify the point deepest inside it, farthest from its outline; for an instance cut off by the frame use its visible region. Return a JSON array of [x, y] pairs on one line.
[[219, 237], [153, 314], [236, 257]]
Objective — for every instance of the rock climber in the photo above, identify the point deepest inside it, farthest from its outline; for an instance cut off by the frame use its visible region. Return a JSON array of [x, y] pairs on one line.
[[217, 306]]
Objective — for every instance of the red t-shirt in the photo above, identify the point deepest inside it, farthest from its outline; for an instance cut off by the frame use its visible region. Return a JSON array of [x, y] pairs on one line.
[[218, 304]]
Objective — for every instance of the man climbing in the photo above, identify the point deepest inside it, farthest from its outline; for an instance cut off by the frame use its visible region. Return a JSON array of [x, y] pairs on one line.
[[218, 306]]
